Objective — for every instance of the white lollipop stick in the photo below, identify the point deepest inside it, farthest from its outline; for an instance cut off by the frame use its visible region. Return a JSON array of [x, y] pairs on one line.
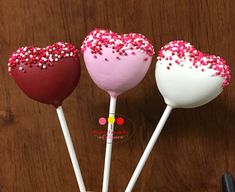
[[109, 142], [71, 150], [149, 148]]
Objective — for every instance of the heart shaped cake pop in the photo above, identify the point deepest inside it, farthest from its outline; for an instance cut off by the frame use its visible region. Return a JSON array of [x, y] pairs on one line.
[[116, 63], [47, 75], [187, 77]]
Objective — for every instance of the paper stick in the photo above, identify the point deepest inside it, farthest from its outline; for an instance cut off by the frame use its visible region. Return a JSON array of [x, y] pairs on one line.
[[109, 142], [148, 149], [71, 150]]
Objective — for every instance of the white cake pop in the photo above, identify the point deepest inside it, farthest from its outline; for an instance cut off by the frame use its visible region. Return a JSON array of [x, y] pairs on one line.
[[186, 78]]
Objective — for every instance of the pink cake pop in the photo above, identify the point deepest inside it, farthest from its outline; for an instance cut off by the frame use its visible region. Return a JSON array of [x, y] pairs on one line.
[[186, 78], [116, 63], [49, 75]]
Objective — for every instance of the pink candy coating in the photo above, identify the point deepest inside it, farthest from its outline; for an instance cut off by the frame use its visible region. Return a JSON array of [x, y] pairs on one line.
[[116, 63]]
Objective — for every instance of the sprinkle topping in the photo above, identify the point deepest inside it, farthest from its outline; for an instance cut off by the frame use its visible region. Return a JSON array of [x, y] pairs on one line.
[[40, 57], [98, 39], [178, 52]]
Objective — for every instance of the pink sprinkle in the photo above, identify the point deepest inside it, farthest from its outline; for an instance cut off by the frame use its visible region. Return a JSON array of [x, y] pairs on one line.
[[182, 50], [99, 38], [42, 57]]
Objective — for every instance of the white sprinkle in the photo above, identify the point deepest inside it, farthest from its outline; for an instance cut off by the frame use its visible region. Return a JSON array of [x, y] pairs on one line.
[[44, 66], [20, 68]]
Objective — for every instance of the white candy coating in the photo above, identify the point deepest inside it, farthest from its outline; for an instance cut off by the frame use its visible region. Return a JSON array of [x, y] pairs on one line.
[[188, 78]]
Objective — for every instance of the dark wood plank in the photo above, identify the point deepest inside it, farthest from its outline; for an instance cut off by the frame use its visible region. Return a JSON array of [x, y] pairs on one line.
[[195, 147]]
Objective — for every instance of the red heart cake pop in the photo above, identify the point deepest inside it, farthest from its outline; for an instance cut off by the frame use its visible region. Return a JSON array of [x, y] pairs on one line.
[[47, 75]]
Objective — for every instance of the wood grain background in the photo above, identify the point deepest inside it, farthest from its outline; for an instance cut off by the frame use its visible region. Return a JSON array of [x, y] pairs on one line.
[[195, 147]]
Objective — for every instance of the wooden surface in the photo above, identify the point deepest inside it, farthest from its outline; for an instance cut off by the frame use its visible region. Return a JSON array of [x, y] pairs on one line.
[[195, 147]]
